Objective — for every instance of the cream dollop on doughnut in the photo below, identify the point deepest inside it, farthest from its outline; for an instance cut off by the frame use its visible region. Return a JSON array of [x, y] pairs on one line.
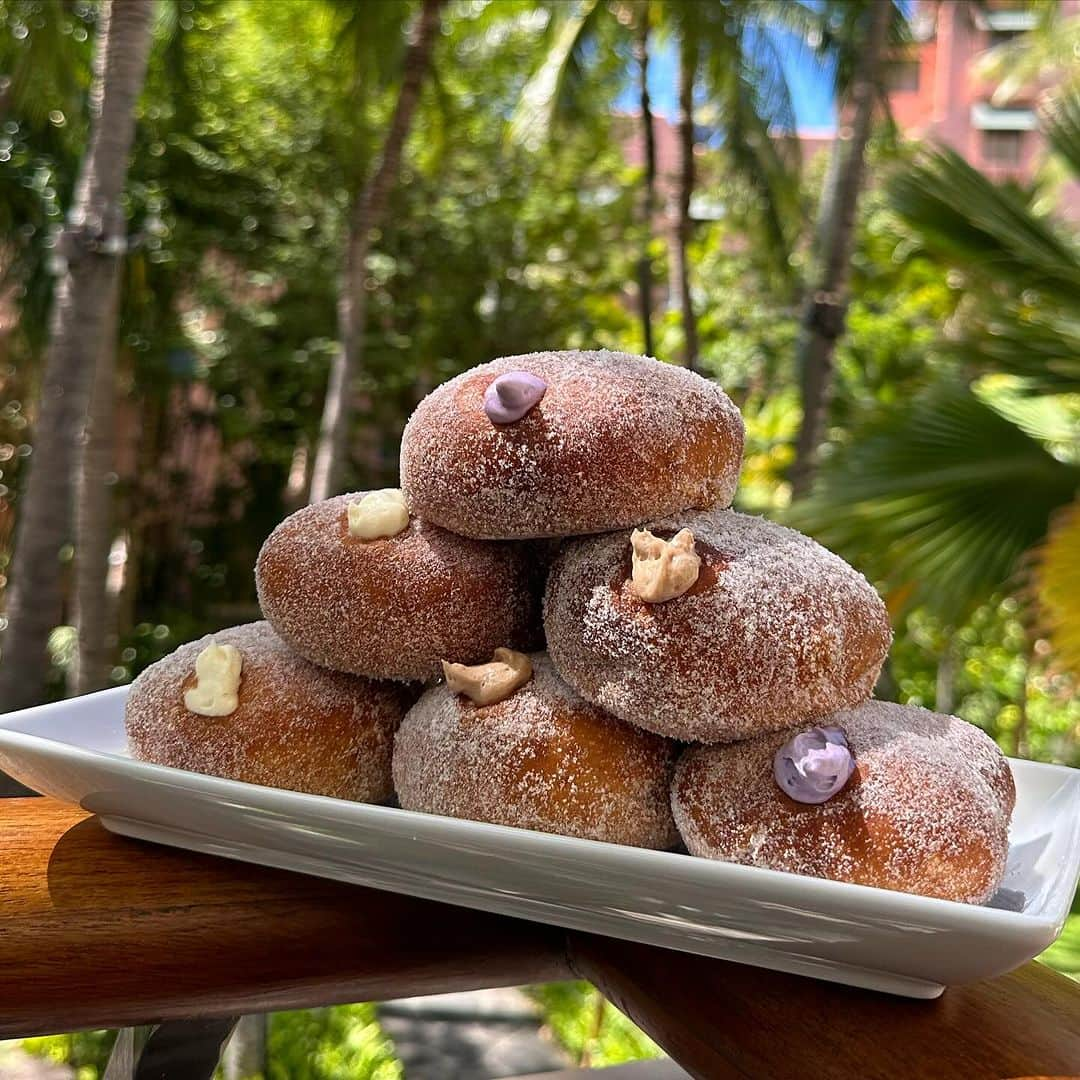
[[378, 514], [612, 441], [485, 684], [541, 759], [925, 811], [814, 765], [774, 631], [217, 681], [663, 569]]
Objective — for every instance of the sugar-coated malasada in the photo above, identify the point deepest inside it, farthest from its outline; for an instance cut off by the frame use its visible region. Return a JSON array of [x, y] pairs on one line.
[[713, 626], [564, 443], [357, 584], [240, 704], [893, 796], [536, 756]]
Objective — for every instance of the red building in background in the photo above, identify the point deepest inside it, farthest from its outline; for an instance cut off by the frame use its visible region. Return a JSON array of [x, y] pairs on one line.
[[937, 93]]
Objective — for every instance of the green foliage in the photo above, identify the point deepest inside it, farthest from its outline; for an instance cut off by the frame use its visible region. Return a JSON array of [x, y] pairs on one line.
[[1001, 677], [43, 55], [45, 51], [898, 307], [344, 1042], [86, 1052], [591, 1028], [556, 90], [1023, 267], [989, 228], [923, 496], [1064, 954]]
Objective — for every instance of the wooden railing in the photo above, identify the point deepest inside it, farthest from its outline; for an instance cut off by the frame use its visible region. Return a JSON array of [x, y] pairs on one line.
[[100, 931]]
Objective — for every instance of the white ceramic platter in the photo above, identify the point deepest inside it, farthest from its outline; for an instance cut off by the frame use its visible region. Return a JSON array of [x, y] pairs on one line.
[[77, 751]]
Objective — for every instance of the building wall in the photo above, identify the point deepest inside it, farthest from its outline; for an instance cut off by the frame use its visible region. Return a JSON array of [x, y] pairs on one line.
[[950, 103]]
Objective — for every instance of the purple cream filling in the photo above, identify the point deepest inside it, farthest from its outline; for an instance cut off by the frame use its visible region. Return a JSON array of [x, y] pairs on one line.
[[512, 395], [814, 765]]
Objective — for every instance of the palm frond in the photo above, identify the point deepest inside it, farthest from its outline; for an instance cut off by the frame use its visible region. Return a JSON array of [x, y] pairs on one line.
[[559, 77], [986, 228], [1052, 419], [43, 55], [834, 30], [1039, 55], [370, 39], [940, 500], [757, 158], [751, 106], [1061, 124], [1038, 342], [801, 19]]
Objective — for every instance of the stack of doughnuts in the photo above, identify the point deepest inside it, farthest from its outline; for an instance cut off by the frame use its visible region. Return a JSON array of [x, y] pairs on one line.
[[559, 623]]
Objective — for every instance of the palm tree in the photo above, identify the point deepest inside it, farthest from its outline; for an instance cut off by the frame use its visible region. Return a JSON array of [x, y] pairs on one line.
[[648, 201], [730, 54], [92, 608], [555, 94], [971, 488], [726, 51], [367, 215], [688, 63], [824, 317], [91, 246]]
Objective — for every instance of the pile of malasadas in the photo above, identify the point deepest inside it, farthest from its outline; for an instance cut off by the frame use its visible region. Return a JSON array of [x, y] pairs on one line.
[[707, 674]]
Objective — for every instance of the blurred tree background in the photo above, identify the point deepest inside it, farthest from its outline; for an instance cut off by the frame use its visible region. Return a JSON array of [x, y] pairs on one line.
[[923, 317]]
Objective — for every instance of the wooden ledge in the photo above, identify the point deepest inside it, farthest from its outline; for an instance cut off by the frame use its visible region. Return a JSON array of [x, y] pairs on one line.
[[101, 931]]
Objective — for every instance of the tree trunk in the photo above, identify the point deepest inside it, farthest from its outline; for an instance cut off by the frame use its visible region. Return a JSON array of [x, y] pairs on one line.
[[887, 688], [296, 486], [945, 683], [367, 214], [1021, 747], [92, 244], [245, 1052], [93, 521], [826, 308], [648, 208], [687, 71], [827, 199]]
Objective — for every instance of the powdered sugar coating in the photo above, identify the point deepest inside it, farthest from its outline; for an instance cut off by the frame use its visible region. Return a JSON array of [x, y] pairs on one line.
[[542, 759], [775, 630], [392, 608], [296, 726], [615, 439], [926, 811]]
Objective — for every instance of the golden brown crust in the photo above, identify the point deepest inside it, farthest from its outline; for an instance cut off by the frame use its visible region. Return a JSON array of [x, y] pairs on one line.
[[542, 759], [392, 608], [296, 726], [774, 630], [926, 811], [616, 439]]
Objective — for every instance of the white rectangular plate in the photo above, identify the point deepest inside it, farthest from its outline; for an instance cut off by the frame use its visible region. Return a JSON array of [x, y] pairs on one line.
[[911, 945]]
